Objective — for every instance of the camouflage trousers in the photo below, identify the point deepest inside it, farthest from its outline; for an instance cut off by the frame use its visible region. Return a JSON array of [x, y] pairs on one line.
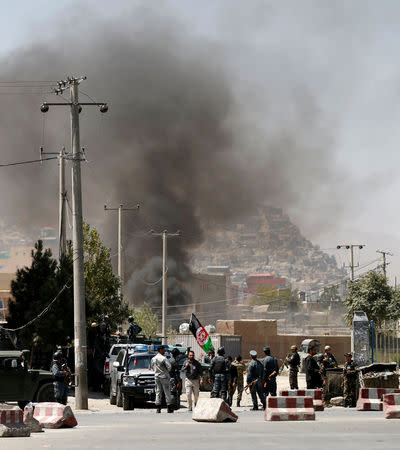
[[239, 388], [349, 391], [293, 379]]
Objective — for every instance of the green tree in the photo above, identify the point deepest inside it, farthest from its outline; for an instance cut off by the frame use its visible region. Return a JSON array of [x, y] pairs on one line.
[[147, 320], [101, 285], [329, 294], [33, 289], [373, 295]]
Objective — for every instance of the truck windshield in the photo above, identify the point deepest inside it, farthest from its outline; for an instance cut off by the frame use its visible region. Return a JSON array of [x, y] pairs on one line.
[[139, 362]]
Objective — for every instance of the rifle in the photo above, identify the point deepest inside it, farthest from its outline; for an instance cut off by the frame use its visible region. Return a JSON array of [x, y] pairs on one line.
[[251, 385], [284, 364]]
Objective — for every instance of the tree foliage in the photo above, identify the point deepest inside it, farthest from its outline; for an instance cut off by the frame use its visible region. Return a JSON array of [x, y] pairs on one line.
[[36, 286], [33, 289], [101, 285], [147, 320], [277, 298], [329, 294], [373, 295]]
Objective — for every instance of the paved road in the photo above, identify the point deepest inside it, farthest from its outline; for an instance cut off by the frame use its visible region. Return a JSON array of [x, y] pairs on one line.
[[335, 428]]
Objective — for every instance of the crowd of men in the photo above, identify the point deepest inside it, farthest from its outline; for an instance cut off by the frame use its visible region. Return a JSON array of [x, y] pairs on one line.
[[225, 373]]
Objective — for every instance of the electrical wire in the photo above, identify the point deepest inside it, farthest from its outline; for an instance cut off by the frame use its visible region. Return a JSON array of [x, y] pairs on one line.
[[28, 162], [41, 314]]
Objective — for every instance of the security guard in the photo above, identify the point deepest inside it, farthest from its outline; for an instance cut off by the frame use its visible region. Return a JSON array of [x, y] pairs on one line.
[[313, 371], [241, 368], [133, 330], [349, 382], [271, 370], [292, 360], [328, 361], [176, 380], [59, 371], [218, 374], [255, 380]]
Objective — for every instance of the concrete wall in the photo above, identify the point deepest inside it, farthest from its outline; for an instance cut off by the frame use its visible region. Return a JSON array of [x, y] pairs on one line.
[[257, 334]]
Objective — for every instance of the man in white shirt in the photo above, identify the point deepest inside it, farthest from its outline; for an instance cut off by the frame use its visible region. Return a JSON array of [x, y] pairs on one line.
[[161, 367]]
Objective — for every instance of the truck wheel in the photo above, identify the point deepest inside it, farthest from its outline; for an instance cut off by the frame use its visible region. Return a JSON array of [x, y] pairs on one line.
[[46, 393], [119, 396], [126, 402], [113, 398]]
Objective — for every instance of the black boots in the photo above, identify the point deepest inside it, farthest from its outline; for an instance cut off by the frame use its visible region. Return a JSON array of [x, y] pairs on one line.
[[158, 410], [170, 409]]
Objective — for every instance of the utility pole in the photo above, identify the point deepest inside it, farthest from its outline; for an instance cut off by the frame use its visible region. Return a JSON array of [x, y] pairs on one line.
[[120, 209], [62, 198], [384, 263], [81, 389], [62, 226], [164, 235], [351, 247]]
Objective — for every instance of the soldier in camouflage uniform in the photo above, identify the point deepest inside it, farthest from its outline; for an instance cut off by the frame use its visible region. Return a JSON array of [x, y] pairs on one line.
[[349, 382], [241, 368], [292, 361]]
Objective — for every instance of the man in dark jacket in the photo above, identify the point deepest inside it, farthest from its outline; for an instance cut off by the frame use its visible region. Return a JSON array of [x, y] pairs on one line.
[[133, 330], [313, 371], [218, 374], [232, 380], [175, 374], [255, 380], [194, 372], [58, 369], [349, 382], [271, 370]]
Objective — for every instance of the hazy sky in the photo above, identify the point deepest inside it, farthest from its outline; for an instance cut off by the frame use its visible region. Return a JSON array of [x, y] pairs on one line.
[[344, 53]]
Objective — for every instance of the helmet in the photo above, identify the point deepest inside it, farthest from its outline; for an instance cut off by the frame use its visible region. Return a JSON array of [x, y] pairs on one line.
[[175, 352], [293, 347], [130, 319], [221, 351], [57, 354]]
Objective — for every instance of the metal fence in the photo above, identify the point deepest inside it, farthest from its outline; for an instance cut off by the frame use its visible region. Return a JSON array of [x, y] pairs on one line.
[[385, 343]]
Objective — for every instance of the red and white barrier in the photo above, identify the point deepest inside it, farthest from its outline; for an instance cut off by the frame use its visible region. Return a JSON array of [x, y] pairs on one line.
[[315, 394], [391, 406], [12, 422], [370, 399], [30, 421], [289, 408], [54, 415]]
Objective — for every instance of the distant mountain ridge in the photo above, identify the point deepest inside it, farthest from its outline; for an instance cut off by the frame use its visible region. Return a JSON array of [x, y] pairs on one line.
[[268, 242]]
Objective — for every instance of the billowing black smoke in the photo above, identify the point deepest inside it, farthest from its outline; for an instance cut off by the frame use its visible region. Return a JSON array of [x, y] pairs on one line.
[[175, 140]]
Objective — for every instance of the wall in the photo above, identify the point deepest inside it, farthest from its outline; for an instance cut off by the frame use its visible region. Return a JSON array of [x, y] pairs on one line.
[[257, 334]]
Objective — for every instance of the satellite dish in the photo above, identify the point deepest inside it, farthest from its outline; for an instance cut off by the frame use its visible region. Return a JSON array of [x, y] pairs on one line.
[[183, 328]]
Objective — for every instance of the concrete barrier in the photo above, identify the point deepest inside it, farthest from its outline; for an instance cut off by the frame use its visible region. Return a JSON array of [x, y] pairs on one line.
[[315, 394], [12, 422], [30, 421], [289, 408], [54, 415], [213, 410], [370, 399], [391, 406]]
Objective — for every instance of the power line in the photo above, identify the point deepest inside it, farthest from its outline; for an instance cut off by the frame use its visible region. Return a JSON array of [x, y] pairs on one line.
[[28, 162]]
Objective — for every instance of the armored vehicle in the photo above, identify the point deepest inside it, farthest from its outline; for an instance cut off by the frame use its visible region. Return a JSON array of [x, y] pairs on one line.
[[20, 384]]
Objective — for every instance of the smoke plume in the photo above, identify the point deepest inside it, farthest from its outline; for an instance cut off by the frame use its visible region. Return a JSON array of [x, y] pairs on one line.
[[184, 137]]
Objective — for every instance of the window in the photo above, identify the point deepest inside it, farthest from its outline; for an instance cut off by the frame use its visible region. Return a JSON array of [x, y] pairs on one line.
[[139, 362]]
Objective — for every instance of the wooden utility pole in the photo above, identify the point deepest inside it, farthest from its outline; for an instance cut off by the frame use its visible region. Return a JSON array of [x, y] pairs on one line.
[[351, 247], [384, 263]]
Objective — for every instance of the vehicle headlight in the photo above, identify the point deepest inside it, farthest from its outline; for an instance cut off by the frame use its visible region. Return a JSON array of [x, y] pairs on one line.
[[126, 379]]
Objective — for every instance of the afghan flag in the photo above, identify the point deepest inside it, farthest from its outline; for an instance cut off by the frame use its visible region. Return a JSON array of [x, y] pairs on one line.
[[200, 333]]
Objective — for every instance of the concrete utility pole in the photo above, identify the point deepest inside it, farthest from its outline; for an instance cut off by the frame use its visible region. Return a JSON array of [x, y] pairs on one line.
[[165, 235], [81, 390], [62, 226], [120, 209], [384, 263], [62, 198], [351, 247]]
